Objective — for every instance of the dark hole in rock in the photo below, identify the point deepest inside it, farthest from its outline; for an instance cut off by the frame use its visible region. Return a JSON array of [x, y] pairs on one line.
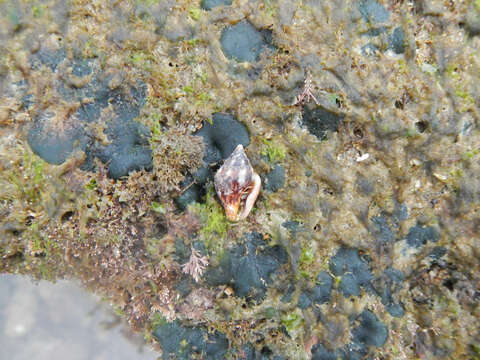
[[328, 191], [67, 216], [159, 229], [399, 104], [317, 227], [338, 102], [421, 126], [11, 228], [29, 220], [15, 232], [449, 284], [358, 133], [266, 351]]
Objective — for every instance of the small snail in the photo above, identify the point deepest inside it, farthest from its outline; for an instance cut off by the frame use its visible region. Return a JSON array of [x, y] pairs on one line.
[[237, 185]]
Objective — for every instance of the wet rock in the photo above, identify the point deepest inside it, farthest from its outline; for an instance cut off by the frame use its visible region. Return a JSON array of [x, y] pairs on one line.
[[382, 230], [372, 11], [323, 288], [400, 214], [419, 235], [370, 331], [184, 287], [129, 147], [22, 88], [364, 185], [275, 179], [320, 352], [349, 286], [54, 144], [250, 353], [354, 270], [288, 294], [186, 342], [437, 252], [293, 226], [395, 275], [391, 282], [248, 267], [210, 4], [48, 57], [128, 151], [222, 136], [319, 294], [304, 300], [302, 205], [193, 193], [243, 42], [472, 20], [320, 121], [54, 139], [82, 67], [396, 41]]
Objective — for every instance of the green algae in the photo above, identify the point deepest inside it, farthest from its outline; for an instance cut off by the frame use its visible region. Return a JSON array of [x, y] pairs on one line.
[[215, 223], [274, 151]]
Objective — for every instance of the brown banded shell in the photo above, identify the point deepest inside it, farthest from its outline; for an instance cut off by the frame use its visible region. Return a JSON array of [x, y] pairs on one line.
[[234, 181]]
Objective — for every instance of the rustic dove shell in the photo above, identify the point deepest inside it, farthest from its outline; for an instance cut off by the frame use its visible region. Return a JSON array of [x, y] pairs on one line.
[[237, 185]]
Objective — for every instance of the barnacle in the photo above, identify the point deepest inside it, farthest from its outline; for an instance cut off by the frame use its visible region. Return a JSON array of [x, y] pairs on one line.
[[237, 185]]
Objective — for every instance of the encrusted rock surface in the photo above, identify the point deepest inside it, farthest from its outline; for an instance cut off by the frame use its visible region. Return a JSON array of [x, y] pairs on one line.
[[361, 117]]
